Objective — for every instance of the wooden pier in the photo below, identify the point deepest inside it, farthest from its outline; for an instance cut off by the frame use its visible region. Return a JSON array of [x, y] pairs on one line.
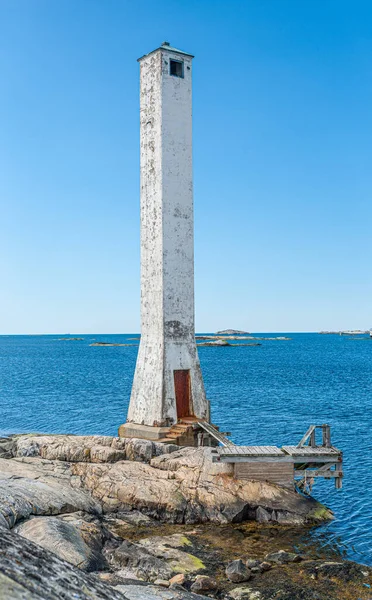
[[284, 466]]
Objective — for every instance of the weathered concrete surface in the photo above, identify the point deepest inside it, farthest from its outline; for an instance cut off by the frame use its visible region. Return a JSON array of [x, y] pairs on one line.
[[133, 430], [167, 244]]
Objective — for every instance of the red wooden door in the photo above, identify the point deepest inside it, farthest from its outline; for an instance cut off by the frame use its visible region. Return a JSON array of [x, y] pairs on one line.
[[183, 393]]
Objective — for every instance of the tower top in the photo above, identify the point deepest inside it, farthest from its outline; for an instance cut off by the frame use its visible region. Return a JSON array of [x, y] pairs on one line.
[[169, 48]]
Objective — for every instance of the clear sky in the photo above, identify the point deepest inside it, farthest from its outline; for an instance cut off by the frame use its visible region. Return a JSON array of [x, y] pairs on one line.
[[282, 161]]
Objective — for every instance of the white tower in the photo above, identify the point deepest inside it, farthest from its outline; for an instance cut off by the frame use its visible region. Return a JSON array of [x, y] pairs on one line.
[[168, 384]]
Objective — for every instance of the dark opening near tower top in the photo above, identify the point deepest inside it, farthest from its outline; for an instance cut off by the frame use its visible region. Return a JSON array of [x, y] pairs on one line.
[[176, 68]]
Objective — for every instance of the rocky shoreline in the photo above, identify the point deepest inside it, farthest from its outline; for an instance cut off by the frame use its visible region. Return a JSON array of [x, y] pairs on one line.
[[102, 517]]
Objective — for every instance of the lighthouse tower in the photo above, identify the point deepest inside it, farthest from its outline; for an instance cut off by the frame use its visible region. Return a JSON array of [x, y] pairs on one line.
[[168, 385]]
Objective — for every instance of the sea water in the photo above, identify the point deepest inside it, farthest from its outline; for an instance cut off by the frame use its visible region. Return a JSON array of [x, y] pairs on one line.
[[263, 395]]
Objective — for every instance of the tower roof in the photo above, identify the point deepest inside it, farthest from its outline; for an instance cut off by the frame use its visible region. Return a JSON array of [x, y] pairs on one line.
[[167, 46]]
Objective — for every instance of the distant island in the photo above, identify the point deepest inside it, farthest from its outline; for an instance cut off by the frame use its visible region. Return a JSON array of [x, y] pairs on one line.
[[232, 332], [348, 332], [110, 344]]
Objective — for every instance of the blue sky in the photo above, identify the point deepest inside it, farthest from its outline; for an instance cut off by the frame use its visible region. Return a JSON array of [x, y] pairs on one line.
[[282, 161]]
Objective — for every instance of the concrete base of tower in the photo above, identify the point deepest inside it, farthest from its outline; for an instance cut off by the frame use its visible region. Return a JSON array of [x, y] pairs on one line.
[[144, 432]]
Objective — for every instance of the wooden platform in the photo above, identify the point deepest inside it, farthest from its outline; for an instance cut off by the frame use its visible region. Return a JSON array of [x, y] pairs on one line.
[[309, 451], [286, 464], [249, 451]]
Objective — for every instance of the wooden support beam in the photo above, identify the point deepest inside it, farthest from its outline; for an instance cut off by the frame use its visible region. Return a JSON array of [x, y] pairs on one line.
[[251, 459], [306, 436], [326, 433], [301, 460], [318, 473], [312, 440], [338, 480]]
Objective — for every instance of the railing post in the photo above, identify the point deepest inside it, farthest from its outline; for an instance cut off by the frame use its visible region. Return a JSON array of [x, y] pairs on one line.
[[326, 432], [338, 480], [312, 441]]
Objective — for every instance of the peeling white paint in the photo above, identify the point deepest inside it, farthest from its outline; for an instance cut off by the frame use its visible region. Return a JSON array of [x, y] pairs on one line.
[[167, 244]]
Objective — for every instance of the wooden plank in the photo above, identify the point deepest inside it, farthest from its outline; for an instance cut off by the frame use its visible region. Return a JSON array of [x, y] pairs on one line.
[[308, 451], [306, 436], [251, 451], [280, 474], [300, 460], [254, 459], [316, 473]]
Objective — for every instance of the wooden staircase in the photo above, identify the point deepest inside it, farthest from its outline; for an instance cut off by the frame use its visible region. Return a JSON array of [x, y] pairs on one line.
[[185, 433], [182, 433]]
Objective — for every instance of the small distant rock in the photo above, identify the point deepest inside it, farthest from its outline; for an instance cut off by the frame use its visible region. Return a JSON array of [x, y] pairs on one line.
[[178, 579], [215, 343], [262, 515], [232, 332], [161, 582], [108, 344], [345, 571], [244, 593], [237, 572], [282, 557], [203, 583], [251, 563], [265, 566]]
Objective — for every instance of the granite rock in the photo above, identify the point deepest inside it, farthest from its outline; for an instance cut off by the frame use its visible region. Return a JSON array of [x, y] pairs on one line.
[[244, 593], [237, 572], [187, 487], [29, 572], [153, 558], [36, 487], [152, 592], [71, 538], [89, 449], [178, 486], [282, 557], [203, 583]]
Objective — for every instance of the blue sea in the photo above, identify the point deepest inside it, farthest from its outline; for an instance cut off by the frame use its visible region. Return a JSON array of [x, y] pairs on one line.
[[268, 394]]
